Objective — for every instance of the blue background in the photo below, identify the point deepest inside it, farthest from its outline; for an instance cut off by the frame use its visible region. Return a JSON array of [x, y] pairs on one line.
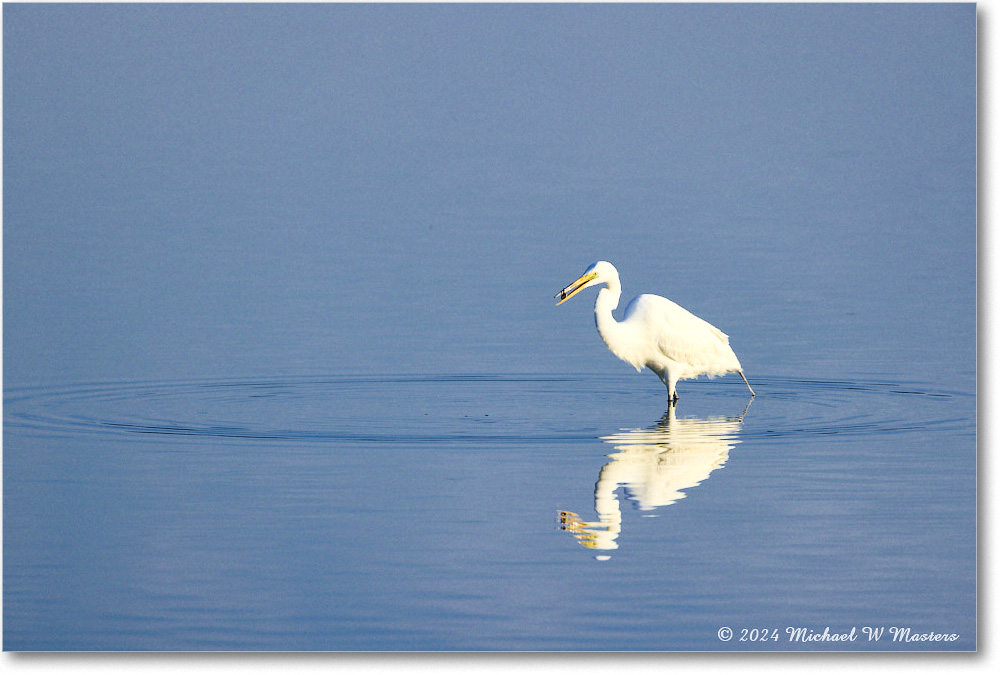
[[286, 196]]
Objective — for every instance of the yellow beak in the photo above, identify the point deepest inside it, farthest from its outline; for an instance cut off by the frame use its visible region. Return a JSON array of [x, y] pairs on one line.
[[575, 287]]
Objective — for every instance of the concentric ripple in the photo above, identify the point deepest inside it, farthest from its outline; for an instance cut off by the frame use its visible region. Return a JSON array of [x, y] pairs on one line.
[[795, 408], [416, 409], [454, 408]]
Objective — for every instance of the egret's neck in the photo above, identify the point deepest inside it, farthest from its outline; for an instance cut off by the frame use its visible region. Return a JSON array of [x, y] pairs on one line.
[[607, 301]]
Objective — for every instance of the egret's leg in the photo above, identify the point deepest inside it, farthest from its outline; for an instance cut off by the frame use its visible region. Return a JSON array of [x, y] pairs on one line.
[[670, 383], [752, 395]]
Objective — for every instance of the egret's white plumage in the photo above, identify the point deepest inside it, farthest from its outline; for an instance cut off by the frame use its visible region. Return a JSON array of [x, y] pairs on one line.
[[656, 333]]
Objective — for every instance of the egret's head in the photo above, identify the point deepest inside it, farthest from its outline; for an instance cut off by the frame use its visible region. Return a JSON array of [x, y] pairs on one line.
[[600, 272]]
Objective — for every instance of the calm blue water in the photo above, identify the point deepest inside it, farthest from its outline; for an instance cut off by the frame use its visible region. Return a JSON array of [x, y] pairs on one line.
[[282, 367]]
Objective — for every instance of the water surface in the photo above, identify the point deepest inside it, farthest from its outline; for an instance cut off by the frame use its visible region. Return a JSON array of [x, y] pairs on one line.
[[327, 513]]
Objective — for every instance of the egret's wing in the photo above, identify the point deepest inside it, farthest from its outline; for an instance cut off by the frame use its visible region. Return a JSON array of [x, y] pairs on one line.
[[680, 335]]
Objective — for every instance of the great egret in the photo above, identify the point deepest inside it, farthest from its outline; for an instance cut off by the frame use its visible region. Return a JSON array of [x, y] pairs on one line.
[[656, 333]]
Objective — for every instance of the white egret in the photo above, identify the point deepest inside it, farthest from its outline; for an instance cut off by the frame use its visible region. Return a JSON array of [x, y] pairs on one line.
[[656, 333]]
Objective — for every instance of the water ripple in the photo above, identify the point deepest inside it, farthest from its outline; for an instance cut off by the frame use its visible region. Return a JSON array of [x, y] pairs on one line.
[[452, 408]]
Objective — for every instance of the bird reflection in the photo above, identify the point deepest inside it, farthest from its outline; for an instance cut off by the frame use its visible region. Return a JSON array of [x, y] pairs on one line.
[[655, 465]]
